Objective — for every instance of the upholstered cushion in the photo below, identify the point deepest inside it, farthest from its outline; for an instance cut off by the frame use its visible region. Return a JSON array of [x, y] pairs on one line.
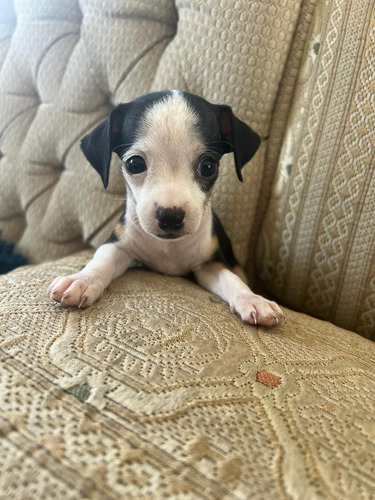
[[68, 63], [158, 391], [317, 248]]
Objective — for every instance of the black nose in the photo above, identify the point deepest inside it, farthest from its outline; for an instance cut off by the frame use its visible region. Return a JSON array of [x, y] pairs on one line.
[[170, 219]]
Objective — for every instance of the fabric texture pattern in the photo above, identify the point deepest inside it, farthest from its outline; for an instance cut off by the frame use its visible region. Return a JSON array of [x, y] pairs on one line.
[[317, 246], [158, 391]]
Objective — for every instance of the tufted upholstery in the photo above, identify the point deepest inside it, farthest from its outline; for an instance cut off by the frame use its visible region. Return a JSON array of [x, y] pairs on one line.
[[67, 64], [62, 73]]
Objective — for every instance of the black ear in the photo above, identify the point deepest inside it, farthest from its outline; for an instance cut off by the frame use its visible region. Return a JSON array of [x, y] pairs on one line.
[[98, 145], [238, 138]]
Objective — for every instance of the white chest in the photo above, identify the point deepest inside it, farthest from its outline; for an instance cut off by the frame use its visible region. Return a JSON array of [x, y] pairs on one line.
[[173, 257]]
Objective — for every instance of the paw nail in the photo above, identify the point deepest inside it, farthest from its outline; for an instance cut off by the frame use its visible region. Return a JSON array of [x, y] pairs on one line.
[[83, 301], [252, 314]]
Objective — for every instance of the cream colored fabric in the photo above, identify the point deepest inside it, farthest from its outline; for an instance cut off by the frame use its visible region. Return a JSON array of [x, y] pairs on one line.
[[7, 26], [317, 248], [281, 113], [158, 391], [68, 63]]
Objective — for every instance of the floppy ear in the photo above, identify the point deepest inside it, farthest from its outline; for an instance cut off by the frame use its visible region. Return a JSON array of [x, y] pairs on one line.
[[98, 145], [238, 138]]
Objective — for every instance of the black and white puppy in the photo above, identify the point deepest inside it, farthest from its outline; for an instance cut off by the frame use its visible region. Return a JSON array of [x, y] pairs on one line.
[[170, 144]]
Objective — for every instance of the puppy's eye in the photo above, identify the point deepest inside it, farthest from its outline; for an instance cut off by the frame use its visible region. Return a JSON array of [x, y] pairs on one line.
[[207, 168], [135, 165]]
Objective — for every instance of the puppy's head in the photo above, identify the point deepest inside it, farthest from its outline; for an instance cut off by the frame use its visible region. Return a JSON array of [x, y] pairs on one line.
[[170, 144]]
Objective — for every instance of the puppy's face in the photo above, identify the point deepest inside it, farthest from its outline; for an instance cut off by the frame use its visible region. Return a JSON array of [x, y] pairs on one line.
[[170, 144], [171, 168]]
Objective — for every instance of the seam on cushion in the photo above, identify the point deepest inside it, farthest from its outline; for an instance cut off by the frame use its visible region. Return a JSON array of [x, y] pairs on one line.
[[110, 95], [115, 215], [135, 17], [40, 193], [6, 39], [49, 47], [17, 94], [72, 143], [13, 216], [20, 114], [64, 242], [139, 58], [51, 19], [76, 140], [89, 111], [55, 167], [92, 74]]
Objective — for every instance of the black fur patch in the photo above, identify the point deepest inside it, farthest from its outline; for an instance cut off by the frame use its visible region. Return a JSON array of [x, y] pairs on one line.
[[206, 184], [225, 252], [117, 133], [220, 131], [208, 126], [132, 119], [113, 237], [123, 216]]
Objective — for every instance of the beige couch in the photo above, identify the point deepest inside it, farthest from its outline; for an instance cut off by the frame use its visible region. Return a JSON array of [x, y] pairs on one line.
[[158, 391]]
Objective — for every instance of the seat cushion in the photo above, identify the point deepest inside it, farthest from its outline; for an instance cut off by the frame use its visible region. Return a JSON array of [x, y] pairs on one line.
[[159, 391]]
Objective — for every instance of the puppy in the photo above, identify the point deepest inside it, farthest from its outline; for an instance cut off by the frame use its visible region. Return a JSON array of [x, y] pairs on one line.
[[170, 144]]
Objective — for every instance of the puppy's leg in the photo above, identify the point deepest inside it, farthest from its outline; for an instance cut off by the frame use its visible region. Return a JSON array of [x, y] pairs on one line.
[[86, 287], [238, 271], [253, 309]]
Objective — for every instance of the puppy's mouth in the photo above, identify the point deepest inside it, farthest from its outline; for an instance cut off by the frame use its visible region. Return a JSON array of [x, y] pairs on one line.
[[159, 234], [172, 229], [170, 236]]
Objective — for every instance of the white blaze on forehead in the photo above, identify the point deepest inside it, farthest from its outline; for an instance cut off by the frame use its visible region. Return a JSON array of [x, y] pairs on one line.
[[169, 131], [168, 139]]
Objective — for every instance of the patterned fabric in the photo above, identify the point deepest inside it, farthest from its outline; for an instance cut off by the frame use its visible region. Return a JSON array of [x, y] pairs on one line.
[[158, 391], [68, 63], [317, 248]]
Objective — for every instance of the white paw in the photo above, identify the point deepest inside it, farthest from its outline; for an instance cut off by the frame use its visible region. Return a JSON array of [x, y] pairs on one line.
[[257, 310], [76, 290]]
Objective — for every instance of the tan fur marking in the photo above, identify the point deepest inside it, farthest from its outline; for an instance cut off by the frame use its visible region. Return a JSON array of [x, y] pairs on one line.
[[120, 231], [214, 245], [240, 273]]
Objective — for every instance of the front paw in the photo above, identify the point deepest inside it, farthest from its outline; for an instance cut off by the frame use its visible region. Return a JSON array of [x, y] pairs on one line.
[[76, 290], [257, 310]]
